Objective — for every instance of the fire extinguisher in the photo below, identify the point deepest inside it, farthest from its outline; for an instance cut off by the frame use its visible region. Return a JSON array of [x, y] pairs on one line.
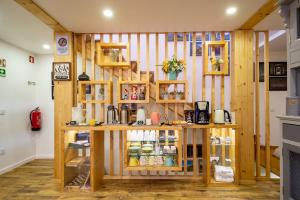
[[35, 119]]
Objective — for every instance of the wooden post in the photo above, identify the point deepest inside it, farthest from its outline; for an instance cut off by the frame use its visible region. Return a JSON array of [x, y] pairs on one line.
[[138, 57], [63, 92], [243, 101], [257, 115], [203, 69], [129, 57], [267, 104], [194, 99]]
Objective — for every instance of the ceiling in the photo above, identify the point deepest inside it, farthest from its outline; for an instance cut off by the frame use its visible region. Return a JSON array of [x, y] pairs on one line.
[[149, 15], [22, 29]]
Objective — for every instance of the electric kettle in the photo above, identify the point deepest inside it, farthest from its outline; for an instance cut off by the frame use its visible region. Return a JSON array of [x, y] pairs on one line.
[[221, 115], [141, 116], [112, 115]]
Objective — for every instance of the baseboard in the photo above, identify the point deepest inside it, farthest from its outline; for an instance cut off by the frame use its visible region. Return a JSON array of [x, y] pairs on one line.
[[44, 156], [15, 165]]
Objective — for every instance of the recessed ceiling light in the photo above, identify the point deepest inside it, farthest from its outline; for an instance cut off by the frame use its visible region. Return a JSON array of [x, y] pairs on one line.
[[46, 46], [231, 10], [108, 13]]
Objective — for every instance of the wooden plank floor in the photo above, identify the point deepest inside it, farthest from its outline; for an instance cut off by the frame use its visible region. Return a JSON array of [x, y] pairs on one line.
[[35, 181]]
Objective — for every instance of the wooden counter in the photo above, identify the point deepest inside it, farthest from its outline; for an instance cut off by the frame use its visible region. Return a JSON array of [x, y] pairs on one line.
[[98, 151]]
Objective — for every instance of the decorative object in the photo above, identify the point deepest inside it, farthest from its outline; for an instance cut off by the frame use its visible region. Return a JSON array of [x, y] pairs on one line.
[[83, 77], [142, 92], [2, 68], [173, 67], [101, 93], [217, 53], [178, 95], [61, 71], [165, 95], [148, 122], [216, 63], [2, 63], [155, 118], [62, 46], [134, 95]]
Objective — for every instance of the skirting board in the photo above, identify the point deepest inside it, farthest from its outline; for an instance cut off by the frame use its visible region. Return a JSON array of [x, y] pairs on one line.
[[15, 165], [44, 156]]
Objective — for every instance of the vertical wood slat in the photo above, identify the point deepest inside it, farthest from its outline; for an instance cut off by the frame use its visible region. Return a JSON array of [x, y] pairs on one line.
[[222, 80], [93, 70], [157, 56], [83, 52], [148, 65], [267, 103], [129, 57], [120, 58], [185, 135], [175, 87], [166, 58], [194, 99], [257, 111], [111, 133], [213, 100], [74, 68], [138, 56], [203, 70], [184, 55], [121, 132]]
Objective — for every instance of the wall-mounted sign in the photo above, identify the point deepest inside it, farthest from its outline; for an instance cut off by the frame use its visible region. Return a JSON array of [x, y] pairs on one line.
[[2, 68], [61, 71], [62, 45], [31, 59]]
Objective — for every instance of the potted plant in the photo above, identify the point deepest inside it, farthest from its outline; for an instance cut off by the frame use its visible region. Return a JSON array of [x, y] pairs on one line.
[[173, 67], [165, 95], [216, 63], [172, 95], [178, 95]]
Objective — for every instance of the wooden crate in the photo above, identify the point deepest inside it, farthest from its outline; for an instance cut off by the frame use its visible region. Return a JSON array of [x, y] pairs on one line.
[[105, 61], [119, 91], [107, 84], [168, 83]]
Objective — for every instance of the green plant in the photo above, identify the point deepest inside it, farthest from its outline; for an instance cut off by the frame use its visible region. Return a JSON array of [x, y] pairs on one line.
[[173, 65]]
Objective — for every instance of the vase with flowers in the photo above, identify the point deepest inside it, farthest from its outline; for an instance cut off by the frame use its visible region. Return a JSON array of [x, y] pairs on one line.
[[216, 63], [173, 67]]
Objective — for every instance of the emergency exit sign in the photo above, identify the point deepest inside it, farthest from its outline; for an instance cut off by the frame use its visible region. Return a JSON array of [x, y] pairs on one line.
[[2, 72]]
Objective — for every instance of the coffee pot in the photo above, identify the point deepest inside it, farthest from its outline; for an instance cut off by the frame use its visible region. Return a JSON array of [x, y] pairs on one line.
[[222, 116], [124, 114], [141, 116], [112, 115]]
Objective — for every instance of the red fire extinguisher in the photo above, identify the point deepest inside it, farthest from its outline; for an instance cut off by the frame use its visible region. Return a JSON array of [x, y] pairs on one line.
[[35, 119]]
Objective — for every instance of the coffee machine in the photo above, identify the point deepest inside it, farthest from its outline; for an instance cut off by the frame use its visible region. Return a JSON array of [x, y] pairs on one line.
[[202, 112]]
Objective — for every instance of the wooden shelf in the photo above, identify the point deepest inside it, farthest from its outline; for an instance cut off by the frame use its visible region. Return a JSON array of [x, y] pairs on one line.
[[223, 54], [154, 168], [82, 89], [115, 64], [119, 91], [168, 83]]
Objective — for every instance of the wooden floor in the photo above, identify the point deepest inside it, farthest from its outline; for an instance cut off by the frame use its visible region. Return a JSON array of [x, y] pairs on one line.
[[35, 181]]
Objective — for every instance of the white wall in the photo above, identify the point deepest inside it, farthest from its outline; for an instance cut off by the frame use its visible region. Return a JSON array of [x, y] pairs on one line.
[[277, 104], [45, 137], [17, 98]]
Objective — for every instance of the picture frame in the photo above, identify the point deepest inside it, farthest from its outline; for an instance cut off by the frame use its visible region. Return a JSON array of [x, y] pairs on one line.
[[61, 71]]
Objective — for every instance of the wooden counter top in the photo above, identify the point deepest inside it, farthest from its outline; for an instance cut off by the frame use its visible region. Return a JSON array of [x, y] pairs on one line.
[[150, 127]]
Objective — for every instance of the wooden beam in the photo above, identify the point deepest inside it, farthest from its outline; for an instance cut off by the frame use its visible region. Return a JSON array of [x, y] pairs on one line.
[[260, 14], [38, 12]]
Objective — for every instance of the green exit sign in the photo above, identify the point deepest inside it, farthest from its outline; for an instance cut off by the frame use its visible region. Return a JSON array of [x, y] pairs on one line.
[[2, 72]]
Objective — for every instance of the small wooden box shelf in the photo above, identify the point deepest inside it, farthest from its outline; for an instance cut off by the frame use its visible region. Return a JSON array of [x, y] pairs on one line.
[[161, 140], [108, 60], [165, 84], [106, 85], [138, 84], [223, 54]]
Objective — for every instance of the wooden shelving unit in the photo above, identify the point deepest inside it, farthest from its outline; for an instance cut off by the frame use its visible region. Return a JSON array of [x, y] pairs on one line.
[[108, 60], [131, 83], [210, 47], [165, 84], [105, 85]]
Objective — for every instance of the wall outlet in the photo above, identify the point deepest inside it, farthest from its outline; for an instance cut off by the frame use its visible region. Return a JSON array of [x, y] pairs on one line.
[[2, 151]]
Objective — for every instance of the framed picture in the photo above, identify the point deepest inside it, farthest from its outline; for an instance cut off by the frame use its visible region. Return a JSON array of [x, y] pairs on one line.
[[61, 71], [198, 48], [278, 84], [278, 69]]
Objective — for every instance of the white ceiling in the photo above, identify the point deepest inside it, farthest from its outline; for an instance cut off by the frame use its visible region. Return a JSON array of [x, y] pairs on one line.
[[149, 15], [22, 29]]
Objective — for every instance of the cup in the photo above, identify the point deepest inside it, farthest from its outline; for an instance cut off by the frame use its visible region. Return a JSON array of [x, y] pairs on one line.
[[155, 118], [148, 122]]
